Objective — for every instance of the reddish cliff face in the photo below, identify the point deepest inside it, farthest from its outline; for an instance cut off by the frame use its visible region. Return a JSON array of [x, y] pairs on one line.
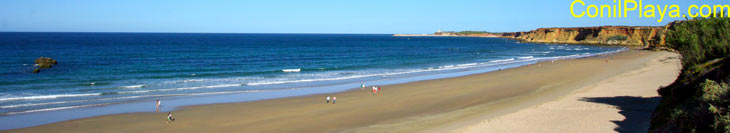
[[607, 35]]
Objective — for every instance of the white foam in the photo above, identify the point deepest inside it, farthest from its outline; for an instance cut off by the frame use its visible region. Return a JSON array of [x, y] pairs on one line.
[[33, 104], [318, 79], [468, 64], [132, 86], [48, 96], [447, 67], [225, 92], [525, 57], [56, 108], [193, 80], [129, 97], [296, 81], [185, 81], [291, 70], [503, 60], [212, 80], [184, 88]]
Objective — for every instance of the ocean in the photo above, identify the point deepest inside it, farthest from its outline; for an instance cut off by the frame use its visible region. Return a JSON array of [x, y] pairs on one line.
[[95, 70]]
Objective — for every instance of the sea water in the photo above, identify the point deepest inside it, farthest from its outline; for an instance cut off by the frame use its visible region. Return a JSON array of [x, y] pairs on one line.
[[96, 70]]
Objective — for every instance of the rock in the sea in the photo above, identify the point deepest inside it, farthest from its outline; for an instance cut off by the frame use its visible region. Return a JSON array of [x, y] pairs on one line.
[[43, 63]]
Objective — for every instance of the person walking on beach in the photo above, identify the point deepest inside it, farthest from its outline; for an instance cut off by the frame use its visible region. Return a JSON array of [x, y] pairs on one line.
[[334, 100], [158, 105], [169, 117], [375, 90], [328, 99], [362, 86]]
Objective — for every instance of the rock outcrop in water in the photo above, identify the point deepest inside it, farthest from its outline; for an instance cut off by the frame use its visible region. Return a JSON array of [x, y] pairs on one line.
[[43, 63], [606, 35]]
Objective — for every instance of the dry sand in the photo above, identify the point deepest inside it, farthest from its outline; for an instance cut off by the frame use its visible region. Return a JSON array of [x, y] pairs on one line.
[[623, 103], [451, 104]]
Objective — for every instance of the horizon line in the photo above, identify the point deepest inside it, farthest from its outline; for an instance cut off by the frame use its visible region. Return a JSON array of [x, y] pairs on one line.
[[314, 32], [179, 32]]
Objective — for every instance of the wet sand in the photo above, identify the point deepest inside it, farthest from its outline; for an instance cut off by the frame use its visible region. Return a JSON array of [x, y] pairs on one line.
[[431, 106]]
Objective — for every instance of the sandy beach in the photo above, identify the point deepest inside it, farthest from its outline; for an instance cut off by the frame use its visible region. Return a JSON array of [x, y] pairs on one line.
[[586, 95], [623, 103]]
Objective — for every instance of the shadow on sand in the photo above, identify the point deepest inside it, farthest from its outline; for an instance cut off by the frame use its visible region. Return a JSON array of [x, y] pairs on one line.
[[637, 111]]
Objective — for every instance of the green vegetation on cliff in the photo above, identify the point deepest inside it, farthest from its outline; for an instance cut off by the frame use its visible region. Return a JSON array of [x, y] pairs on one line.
[[700, 40], [699, 100], [617, 38]]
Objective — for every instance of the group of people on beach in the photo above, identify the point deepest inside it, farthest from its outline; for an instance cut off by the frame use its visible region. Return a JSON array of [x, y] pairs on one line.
[[169, 114], [374, 91], [334, 100]]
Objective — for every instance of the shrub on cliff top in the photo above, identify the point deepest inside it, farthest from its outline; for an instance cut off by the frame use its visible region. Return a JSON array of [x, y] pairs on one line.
[[700, 40], [715, 95], [714, 92], [698, 101]]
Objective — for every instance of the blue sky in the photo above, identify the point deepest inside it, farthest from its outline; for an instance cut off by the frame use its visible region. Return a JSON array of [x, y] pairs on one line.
[[300, 16]]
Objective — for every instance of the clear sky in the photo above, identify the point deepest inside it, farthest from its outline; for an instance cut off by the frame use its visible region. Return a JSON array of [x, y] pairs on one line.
[[302, 16]]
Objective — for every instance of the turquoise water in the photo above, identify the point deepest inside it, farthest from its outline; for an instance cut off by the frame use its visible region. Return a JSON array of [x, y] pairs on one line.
[[106, 69]]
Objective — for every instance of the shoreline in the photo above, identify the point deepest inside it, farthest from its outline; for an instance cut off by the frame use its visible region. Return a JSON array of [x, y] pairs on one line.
[[31, 119], [177, 103], [200, 112]]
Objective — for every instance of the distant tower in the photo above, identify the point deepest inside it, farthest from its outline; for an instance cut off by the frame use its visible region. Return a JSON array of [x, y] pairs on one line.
[[439, 30]]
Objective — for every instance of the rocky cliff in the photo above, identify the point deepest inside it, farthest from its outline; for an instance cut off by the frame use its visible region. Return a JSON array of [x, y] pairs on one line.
[[607, 35]]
